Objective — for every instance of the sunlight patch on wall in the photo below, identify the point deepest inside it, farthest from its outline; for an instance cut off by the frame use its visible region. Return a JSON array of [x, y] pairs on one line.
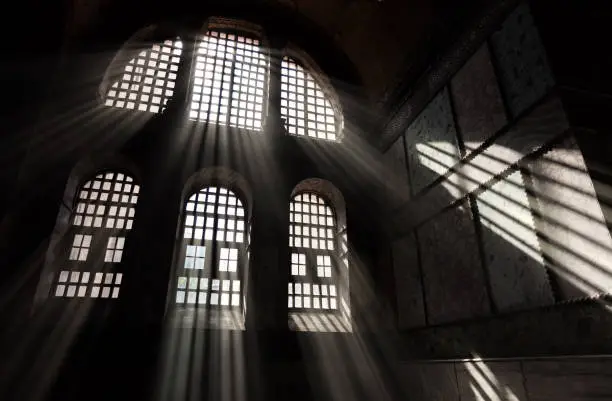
[[505, 210], [439, 157], [484, 384]]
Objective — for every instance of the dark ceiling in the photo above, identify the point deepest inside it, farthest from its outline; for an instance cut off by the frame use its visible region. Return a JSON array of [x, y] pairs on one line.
[[386, 41], [377, 48]]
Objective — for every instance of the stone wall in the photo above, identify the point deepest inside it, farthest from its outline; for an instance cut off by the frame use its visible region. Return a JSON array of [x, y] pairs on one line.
[[576, 241], [494, 174], [510, 380], [431, 142], [522, 65]]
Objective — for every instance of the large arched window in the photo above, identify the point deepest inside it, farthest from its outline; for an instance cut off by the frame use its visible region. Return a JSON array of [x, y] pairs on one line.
[[312, 233], [148, 80], [212, 253], [101, 220], [305, 107], [230, 80]]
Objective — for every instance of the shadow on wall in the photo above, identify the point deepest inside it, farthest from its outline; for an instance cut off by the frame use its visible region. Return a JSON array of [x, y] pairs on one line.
[[501, 230], [547, 379], [543, 217]]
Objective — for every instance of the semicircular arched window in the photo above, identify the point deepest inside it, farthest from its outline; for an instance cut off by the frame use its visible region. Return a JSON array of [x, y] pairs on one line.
[[305, 106], [103, 216], [230, 80], [148, 80], [312, 233], [213, 250]]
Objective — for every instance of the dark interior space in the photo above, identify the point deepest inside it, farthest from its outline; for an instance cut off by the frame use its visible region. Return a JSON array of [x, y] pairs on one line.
[[306, 200]]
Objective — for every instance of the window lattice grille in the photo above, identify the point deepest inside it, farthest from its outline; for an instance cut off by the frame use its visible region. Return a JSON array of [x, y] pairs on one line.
[[312, 223], [298, 264], [105, 208], [230, 81], [304, 106], [107, 201], [311, 236], [213, 236], [80, 247], [148, 79], [228, 260], [114, 249], [207, 291], [195, 257], [312, 296], [71, 284], [214, 214], [324, 266]]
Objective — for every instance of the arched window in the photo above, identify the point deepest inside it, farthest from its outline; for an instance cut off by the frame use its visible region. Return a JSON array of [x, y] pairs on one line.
[[230, 81], [212, 255], [312, 233], [103, 216], [304, 105], [148, 79]]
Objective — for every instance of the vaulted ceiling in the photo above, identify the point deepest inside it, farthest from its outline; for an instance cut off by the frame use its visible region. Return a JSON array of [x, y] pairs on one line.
[[386, 41]]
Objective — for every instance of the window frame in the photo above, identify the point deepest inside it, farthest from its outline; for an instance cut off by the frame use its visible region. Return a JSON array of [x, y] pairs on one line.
[[265, 97], [185, 77], [212, 256], [132, 57], [300, 59], [311, 254], [95, 262]]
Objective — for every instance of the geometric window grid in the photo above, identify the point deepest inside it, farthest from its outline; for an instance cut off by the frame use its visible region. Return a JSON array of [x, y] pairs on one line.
[[207, 291], [311, 230], [114, 249], [210, 270], [107, 201], [80, 247], [298, 264], [324, 266], [148, 79], [86, 284], [229, 81], [312, 296], [228, 260], [214, 213], [304, 106], [312, 223], [195, 257]]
